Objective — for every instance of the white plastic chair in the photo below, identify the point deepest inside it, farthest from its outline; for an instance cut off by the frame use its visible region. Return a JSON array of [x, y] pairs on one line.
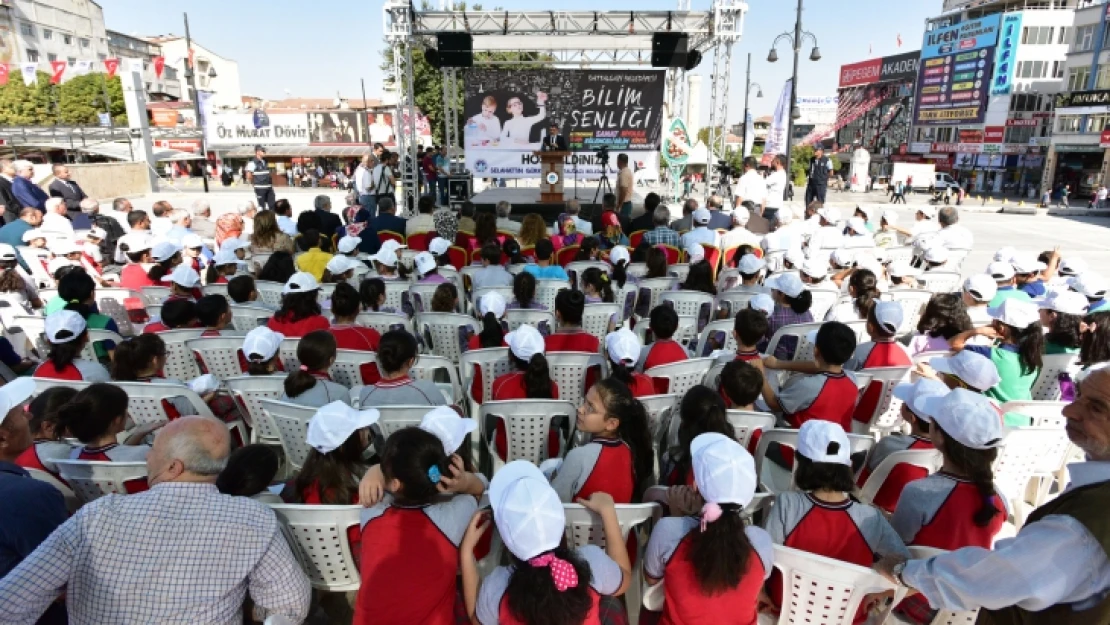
[[527, 426], [596, 317], [88, 352], [535, 318], [659, 409], [548, 290], [688, 304], [71, 500], [680, 271], [249, 391], [246, 318], [817, 589], [215, 289], [442, 329], [219, 354], [269, 292], [734, 301], [804, 351], [775, 479], [33, 328], [943, 617], [395, 418], [574, 269], [156, 295], [1047, 385], [492, 362], [655, 287], [928, 459], [683, 375], [420, 296], [181, 364], [823, 301], [1053, 466], [1020, 457], [31, 257], [347, 368], [113, 303], [941, 281], [745, 423], [722, 327], [505, 291], [569, 369], [92, 479], [384, 322], [428, 367], [291, 421], [887, 415], [913, 302], [321, 538], [903, 253], [144, 403]]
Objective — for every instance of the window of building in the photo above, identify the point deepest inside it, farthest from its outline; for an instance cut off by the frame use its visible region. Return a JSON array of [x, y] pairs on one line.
[[102, 57], [1037, 35], [1057, 69], [47, 34], [32, 55], [84, 42], [67, 39], [1084, 38], [50, 56], [28, 30], [1019, 134], [1063, 35], [1077, 78], [72, 61], [944, 135], [1068, 123], [1102, 80]]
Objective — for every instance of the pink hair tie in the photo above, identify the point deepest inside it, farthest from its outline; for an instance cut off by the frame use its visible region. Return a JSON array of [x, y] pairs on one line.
[[710, 512], [562, 572], [304, 368]]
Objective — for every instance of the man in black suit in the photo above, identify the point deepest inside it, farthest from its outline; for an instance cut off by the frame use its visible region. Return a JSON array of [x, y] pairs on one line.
[[645, 221], [385, 220], [554, 142], [7, 198], [67, 189], [330, 223]]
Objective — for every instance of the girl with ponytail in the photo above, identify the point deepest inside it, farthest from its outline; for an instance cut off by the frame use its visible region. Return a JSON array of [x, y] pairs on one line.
[[66, 334], [524, 293], [310, 384], [623, 348], [1016, 326], [596, 286], [166, 255], [544, 582], [701, 411], [492, 308], [618, 460], [532, 379], [863, 287], [77, 292], [714, 564]]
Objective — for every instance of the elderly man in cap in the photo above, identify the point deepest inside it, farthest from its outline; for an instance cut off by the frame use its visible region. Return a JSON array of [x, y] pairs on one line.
[[261, 178], [1056, 570], [701, 232], [180, 552]]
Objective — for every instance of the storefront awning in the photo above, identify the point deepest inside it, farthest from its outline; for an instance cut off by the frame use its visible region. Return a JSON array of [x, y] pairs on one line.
[[352, 151]]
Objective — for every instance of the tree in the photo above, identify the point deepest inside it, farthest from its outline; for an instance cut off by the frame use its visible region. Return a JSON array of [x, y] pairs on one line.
[[75, 102], [81, 99]]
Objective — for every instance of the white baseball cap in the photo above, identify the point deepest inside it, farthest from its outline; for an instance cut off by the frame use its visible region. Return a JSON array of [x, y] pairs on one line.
[[57, 263], [922, 388], [225, 257], [448, 427], [35, 233], [741, 217], [750, 263], [618, 254], [968, 417], [191, 241], [135, 241], [974, 369], [936, 254], [333, 424], [1000, 271], [1027, 263], [7, 252], [387, 254], [695, 253], [66, 320], [262, 341], [858, 225], [300, 282], [902, 269], [701, 215], [525, 342], [842, 257], [890, 217], [763, 303], [339, 265], [929, 211], [1015, 312], [784, 216], [889, 315], [96, 232], [348, 244], [439, 246], [830, 214], [234, 244], [1005, 254], [164, 250], [796, 256], [527, 511], [1068, 266], [815, 268], [64, 247], [623, 346], [723, 470], [787, 283], [816, 438], [492, 302], [184, 276], [1067, 302], [425, 263], [13, 394], [981, 287], [1089, 284]]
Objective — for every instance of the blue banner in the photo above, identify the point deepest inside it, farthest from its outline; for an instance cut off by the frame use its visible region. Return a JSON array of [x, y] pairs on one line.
[[1006, 55], [963, 37]]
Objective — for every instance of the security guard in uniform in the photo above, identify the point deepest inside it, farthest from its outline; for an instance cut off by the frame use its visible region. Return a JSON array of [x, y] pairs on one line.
[[262, 179]]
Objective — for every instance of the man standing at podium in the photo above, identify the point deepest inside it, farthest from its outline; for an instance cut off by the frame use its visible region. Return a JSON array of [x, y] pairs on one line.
[[554, 142]]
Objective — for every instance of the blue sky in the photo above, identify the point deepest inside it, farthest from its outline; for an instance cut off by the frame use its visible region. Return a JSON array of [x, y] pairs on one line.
[[315, 49]]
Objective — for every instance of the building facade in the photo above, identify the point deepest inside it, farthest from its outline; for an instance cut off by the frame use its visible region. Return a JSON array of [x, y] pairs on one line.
[[873, 111], [166, 88], [215, 74], [42, 31]]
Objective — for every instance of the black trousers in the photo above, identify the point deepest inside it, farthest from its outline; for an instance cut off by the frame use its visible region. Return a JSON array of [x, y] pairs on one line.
[[265, 197], [815, 192]]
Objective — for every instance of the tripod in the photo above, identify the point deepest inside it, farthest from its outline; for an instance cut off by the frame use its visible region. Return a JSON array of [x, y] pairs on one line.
[[603, 184]]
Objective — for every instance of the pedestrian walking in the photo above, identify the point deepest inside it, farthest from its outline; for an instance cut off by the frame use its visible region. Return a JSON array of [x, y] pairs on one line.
[[1062, 202], [899, 191], [261, 179]]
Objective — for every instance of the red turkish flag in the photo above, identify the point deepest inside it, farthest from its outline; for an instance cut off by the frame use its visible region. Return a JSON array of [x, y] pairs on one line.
[[57, 68], [4, 73], [190, 57], [159, 64], [112, 66]]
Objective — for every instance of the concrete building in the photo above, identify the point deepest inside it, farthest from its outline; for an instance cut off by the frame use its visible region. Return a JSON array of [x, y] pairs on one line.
[[167, 88], [215, 73], [52, 30]]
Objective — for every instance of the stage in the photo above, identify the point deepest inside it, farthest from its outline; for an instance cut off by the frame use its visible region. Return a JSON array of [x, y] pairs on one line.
[[526, 200]]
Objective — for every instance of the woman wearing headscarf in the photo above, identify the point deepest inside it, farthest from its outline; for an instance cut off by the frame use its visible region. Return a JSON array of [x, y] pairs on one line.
[[611, 234]]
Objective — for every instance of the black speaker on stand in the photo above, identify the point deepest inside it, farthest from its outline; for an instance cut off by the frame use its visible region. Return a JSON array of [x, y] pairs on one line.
[[455, 49]]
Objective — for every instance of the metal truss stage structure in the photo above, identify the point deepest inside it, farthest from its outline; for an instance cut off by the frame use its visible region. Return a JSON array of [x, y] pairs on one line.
[[576, 40]]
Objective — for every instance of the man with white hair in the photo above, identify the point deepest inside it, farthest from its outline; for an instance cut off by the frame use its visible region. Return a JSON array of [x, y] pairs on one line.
[[503, 221], [55, 221], [8, 202], [739, 234], [179, 552], [202, 224], [83, 219], [65, 188], [180, 222], [160, 222], [27, 192]]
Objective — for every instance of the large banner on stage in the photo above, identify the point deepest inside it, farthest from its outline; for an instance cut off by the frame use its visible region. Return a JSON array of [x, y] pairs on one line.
[[508, 113]]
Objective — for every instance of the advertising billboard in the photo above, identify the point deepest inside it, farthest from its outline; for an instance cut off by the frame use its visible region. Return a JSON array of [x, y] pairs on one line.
[[954, 78], [234, 129]]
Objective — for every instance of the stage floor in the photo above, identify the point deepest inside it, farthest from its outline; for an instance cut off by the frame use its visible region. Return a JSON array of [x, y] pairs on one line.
[[526, 200]]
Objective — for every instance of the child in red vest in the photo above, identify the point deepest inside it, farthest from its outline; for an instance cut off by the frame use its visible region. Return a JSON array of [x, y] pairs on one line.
[[826, 391], [883, 321]]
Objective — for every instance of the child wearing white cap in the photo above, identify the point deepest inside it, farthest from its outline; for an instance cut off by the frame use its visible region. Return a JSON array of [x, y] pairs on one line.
[[300, 311], [821, 517], [387, 261], [751, 275], [1020, 344], [828, 236], [1005, 280], [17, 286], [340, 269], [792, 303], [184, 283], [714, 566], [623, 349], [532, 379], [166, 256], [428, 269], [966, 369], [345, 308], [411, 538], [1061, 316], [311, 384], [918, 438], [66, 333], [96, 416], [135, 250], [883, 322], [262, 351], [544, 580], [338, 436], [977, 293], [619, 459], [222, 268]]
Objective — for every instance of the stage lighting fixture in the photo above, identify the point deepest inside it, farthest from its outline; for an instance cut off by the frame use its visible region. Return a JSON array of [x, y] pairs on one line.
[[670, 50]]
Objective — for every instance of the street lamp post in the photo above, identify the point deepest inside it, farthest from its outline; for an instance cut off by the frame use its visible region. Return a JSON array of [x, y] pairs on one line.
[[796, 42], [191, 77], [759, 94]]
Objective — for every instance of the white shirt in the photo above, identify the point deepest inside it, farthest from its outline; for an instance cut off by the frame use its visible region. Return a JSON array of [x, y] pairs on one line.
[[518, 129], [923, 227], [954, 237], [287, 225], [738, 236], [362, 180], [480, 128], [776, 187], [699, 234], [159, 226], [59, 225], [1050, 562], [1102, 193], [753, 187], [827, 238]]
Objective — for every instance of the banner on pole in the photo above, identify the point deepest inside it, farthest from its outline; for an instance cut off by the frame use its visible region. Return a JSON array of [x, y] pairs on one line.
[[776, 137], [4, 69], [159, 65], [508, 114], [57, 68], [30, 73], [749, 135], [111, 66]]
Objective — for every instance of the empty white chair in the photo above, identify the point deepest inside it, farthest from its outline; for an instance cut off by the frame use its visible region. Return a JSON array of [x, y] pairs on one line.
[[734, 301], [887, 413], [941, 281], [384, 322], [535, 318], [181, 364], [146, 403], [659, 410], [215, 289], [721, 332], [928, 459], [745, 423], [432, 368], [823, 301], [218, 354], [596, 318], [246, 318], [569, 370], [817, 589], [33, 329], [683, 375], [650, 290], [269, 292], [1047, 385], [690, 304], [395, 418], [321, 540], [492, 363], [901, 254], [441, 332], [548, 290], [288, 354], [92, 479], [1020, 458], [156, 295], [248, 392], [527, 426], [291, 421]]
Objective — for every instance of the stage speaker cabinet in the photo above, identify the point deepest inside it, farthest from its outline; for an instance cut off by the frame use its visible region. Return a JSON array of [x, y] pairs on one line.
[[459, 188], [455, 49], [669, 49]]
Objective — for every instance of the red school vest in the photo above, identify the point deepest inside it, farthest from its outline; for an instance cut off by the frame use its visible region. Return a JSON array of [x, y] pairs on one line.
[[953, 525], [49, 371], [883, 354], [835, 402], [476, 386], [612, 473], [29, 459], [687, 604], [100, 454], [664, 352]]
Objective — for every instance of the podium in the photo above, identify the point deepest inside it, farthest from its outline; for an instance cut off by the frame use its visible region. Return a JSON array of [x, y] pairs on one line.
[[551, 176]]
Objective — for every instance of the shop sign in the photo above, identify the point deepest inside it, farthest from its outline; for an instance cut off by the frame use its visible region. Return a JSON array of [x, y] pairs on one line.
[[1078, 148], [181, 145], [919, 147], [862, 73], [993, 134], [971, 136], [970, 148], [1104, 139], [946, 147], [1023, 122], [1083, 99], [992, 148], [235, 129]]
